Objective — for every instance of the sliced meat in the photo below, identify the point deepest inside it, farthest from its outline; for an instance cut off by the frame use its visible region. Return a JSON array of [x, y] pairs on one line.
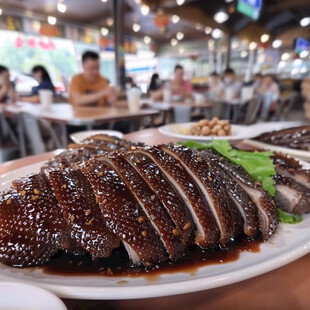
[[301, 176], [244, 203], [284, 160], [150, 204], [32, 228], [70, 156], [291, 196], [296, 137], [207, 231], [166, 193], [123, 215], [79, 208], [227, 218], [267, 212], [109, 142]]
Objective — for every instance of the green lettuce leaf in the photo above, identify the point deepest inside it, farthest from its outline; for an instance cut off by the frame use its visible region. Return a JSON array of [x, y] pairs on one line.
[[288, 218], [259, 165]]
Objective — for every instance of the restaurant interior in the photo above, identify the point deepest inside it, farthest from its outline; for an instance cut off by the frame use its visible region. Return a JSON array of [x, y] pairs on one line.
[[154, 154]]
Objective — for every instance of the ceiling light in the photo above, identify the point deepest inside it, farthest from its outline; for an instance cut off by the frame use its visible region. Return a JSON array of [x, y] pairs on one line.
[[304, 70], [285, 56], [0, 11], [234, 45], [147, 40], [198, 26], [110, 21], [52, 20], [297, 62], [180, 35], [220, 17], [180, 2], [305, 22], [229, 1], [282, 64], [181, 49], [294, 71], [138, 1], [136, 27], [61, 7], [211, 44], [217, 33], [244, 54], [145, 9], [104, 31], [252, 46], [175, 19], [276, 43], [174, 42], [304, 54], [265, 38], [208, 30], [104, 1]]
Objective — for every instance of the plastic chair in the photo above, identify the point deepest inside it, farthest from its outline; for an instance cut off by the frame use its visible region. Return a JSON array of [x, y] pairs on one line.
[[221, 110], [252, 110], [182, 114], [285, 106]]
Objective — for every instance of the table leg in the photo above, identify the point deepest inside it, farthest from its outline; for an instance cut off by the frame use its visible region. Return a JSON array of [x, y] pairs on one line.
[[236, 110], [63, 135], [21, 136], [89, 127]]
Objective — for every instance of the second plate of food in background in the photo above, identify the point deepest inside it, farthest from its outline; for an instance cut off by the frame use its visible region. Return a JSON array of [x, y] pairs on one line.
[[182, 131], [78, 137]]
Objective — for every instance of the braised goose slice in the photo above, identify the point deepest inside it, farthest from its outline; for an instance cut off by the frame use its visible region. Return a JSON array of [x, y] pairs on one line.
[[32, 228], [207, 231], [123, 215], [291, 168], [291, 196], [171, 200], [227, 218], [267, 212], [79, 208], [150, 204], [244, 203]]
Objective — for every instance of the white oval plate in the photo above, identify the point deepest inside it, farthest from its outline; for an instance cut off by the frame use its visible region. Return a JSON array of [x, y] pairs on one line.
[[288, 244], [177, 131], [24, 296], [239, 132], [78, 137]]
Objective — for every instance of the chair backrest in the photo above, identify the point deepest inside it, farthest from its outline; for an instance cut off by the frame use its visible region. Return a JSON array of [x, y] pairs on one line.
[[220, 110], [252, 110], [285, 105], [182, 114]]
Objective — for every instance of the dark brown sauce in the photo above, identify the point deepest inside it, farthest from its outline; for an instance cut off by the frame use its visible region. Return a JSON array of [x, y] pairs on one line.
[[66, 264]]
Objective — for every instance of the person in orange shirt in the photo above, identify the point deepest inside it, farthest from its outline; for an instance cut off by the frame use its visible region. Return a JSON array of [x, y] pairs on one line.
[[90, 88]]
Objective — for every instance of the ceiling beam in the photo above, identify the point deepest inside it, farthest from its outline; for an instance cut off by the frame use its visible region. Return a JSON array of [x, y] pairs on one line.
[[287, 5]]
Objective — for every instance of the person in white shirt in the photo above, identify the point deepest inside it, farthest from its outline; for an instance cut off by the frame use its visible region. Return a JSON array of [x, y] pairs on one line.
[[216, 86], [269, 87], [232, 85]]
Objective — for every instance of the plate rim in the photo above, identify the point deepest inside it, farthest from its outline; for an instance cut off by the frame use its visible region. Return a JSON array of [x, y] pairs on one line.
[[119, 134], [162, 130], [173, 287]]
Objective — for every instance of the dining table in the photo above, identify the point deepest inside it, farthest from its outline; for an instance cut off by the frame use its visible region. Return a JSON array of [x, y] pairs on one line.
[[283, 288], [65, 114]]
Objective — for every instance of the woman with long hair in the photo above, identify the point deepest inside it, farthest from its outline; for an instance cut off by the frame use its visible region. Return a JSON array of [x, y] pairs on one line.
[[43, 78]]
